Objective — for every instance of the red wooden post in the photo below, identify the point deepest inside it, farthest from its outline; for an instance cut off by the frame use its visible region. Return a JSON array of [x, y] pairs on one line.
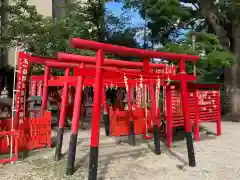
[[45, 90], [169, 115], [60, 132], [156, 126], [93, 161], [75, 124], [196, 122], [146, 67], [187, 122], [218, 103], [105, 112], [48, 116], [16, 145]]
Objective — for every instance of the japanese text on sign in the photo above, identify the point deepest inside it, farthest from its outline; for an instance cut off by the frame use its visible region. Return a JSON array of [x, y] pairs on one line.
[[23, 67]]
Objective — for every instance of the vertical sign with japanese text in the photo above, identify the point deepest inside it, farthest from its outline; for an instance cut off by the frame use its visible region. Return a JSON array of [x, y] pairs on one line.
[[39, 88], [33, 87], [22, 73]]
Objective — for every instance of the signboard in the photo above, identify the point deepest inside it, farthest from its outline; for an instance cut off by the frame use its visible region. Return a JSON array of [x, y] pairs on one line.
[[23, 68], [33, 88], [39, 88], [70, 97], [168, 70]]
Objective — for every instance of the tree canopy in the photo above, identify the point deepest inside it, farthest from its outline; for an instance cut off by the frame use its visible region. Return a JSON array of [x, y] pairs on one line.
[[165, 17], [214, 23], [46, 35]]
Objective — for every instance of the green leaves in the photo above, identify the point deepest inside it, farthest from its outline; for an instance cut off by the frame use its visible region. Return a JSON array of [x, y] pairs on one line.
[[229, 10], [220, 59], [45, 36], [208, 48], [164, 17], [213, 56]]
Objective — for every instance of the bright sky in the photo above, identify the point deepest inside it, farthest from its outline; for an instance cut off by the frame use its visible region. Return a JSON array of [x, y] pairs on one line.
[[116, 8]]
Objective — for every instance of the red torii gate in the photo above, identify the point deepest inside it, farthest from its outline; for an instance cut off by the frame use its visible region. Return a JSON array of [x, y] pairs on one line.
[[99, 72], [101, 48], [67, 80]]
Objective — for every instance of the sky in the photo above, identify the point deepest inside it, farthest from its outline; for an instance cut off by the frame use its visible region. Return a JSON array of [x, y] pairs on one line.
[[116, 8], [136, 20]]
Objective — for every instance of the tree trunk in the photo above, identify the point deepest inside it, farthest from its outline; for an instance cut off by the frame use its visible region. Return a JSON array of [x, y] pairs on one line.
[[3, 26], [98, 9], [236, 69], [209, 10], [235, 89], [101, 10], [232, 81], [231, 42]]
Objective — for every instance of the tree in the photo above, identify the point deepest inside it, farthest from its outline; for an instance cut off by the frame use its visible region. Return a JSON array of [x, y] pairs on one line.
[[164, 17], [213, 56], [223, 17], [46, 36], [218, 17], [3, 24]]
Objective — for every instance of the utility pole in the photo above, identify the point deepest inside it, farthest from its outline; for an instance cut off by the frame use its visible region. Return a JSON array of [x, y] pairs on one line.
[[3, 26], [101, 9], [145, 44], [194, 42], [194, 49]]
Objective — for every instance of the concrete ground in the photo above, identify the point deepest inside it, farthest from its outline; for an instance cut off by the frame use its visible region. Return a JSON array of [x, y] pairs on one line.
[[218, 158]]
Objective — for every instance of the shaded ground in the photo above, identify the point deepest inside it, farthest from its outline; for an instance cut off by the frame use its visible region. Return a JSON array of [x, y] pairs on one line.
[[218, 158]]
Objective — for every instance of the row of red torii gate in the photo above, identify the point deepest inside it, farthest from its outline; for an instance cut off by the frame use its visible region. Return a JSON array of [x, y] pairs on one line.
[[166, 97]]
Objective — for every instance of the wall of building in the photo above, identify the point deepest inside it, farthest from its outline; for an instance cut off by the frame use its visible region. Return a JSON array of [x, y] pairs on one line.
[[44, 7]]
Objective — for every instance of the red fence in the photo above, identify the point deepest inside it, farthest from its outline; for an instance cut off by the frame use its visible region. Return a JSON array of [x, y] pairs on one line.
[[36, 132], [119, 122], [5, 138], [32, 133], [204, 106]]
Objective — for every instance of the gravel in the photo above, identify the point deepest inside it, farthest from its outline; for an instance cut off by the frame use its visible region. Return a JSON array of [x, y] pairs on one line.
[[218, 158]]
